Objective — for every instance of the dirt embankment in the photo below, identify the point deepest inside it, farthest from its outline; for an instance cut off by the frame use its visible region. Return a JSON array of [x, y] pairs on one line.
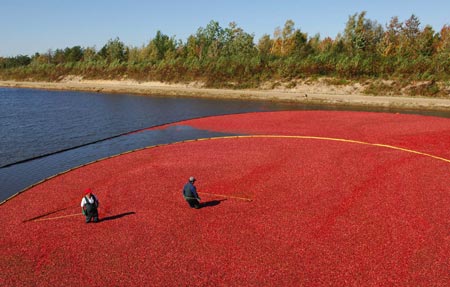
[[305, 92]]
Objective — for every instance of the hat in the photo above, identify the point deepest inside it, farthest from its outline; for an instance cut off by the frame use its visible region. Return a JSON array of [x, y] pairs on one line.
[[192, 179], [87, 191]]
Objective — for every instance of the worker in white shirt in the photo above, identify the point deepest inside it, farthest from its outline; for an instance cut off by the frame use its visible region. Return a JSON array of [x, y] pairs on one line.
[[89, 206]]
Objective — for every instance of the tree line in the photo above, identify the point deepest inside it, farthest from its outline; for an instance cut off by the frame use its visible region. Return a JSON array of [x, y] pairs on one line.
[[230, 57]]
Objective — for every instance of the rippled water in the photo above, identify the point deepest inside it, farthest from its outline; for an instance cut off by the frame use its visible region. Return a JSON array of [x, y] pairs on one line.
[[36, 122], [49, 124]]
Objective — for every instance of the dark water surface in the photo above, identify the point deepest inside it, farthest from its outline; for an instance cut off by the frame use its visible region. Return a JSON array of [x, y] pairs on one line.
[[43, 133], [36, 122]]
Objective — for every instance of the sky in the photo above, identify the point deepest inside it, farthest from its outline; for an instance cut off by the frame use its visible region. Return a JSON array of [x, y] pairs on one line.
[[30, 26]]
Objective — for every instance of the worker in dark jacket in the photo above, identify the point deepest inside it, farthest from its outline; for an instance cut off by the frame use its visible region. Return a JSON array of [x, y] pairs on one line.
[[190, 194], [89, 206]]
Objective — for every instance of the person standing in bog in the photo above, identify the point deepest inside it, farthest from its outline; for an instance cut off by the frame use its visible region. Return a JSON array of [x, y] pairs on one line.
[[89, 206]]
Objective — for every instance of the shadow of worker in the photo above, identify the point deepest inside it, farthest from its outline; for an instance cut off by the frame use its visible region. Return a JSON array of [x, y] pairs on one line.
[[211, 203], [117, 216]]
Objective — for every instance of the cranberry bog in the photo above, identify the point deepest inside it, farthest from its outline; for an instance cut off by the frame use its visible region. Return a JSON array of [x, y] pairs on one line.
[[307, 198]]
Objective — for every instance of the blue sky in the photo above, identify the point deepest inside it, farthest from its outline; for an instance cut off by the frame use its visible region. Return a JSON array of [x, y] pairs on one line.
[[29, 26]]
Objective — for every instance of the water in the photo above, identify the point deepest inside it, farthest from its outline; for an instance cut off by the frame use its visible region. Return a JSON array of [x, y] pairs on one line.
[[44, 133], [35, 122]]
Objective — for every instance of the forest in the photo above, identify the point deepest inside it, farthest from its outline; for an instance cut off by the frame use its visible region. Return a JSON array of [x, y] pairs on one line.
[[390, 56]]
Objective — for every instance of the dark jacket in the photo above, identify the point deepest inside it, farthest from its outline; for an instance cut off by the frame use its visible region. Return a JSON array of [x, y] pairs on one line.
[[190, 191]]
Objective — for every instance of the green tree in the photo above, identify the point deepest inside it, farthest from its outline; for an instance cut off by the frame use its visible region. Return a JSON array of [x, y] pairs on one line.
[[89, 54], [134, 55], [265, 45], [409, 33], [301, 47], [209, 40], [161, 46], [114, 51], [13, 62], [236, 42], [389, 45], [58, 57], [427, 42], [39, 58], [362, 34], [73, 54], [193, 50]]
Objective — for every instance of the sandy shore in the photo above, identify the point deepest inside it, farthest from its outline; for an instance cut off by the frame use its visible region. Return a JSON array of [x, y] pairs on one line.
[[307, 94]]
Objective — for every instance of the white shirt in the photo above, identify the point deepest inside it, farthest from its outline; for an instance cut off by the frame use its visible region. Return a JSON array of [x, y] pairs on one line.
[[91, 200]]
